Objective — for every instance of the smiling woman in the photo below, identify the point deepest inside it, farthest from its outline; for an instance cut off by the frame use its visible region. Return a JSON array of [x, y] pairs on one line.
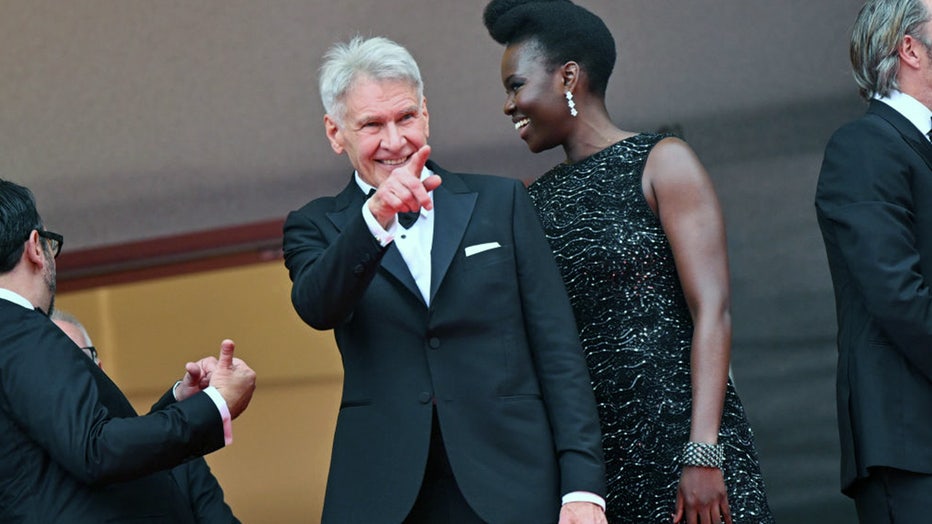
[[638, 234]]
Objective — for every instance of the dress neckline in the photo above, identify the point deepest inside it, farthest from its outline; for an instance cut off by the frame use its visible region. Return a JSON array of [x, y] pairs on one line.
[[599, 153]]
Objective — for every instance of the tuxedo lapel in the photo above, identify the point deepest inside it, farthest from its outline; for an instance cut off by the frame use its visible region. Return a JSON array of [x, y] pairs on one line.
[[395, 264], [348, 204], [453, 205], [913, 137], [348, 201]]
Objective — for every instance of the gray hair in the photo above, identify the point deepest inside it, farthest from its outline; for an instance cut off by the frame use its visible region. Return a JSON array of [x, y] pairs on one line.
[[64, 316], [878, 31], [377, 58]]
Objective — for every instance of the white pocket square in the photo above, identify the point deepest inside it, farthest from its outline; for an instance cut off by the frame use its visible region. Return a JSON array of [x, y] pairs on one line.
[[479, 248]]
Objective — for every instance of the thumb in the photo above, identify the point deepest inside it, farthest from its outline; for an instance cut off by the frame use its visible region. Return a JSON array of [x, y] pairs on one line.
[[193, 374], [432, 182], [678, 512], [226, 354]]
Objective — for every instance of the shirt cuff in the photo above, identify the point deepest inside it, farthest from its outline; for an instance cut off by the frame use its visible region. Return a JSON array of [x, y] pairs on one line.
[[384, 237], [224, 413], [584, 496]]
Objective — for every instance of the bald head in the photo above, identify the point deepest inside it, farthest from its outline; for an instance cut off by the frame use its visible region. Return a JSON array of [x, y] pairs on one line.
[[76, 332]]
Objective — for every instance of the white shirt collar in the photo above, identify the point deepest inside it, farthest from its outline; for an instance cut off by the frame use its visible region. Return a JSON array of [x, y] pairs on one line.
[[911, 109], [16, 298], [366, 187]]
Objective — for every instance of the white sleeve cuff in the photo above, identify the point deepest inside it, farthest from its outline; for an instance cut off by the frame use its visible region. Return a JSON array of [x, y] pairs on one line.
[[384, 237], [584, 496], [224, 413]]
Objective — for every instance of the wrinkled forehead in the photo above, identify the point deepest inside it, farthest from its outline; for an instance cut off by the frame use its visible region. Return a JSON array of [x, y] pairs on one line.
[[378, 96]]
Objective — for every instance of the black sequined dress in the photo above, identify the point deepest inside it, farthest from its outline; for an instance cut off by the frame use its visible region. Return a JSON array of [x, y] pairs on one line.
[[636, 330]]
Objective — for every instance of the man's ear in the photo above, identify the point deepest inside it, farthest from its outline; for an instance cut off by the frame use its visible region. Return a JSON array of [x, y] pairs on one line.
[[334, 134], [426, 115], [909, 51], [34, 252]]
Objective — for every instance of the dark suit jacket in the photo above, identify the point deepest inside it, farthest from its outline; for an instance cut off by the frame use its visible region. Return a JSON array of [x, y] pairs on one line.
[[874, 205], [497, 351], [198, 485], [73, 449], [203, 492]]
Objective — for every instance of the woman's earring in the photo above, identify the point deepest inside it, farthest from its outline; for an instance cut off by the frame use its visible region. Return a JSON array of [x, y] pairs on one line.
[[569, 102]]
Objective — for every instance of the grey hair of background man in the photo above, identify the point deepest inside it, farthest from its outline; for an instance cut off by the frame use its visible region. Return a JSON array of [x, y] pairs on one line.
[[64, 316], [878, 31], [377, 58]]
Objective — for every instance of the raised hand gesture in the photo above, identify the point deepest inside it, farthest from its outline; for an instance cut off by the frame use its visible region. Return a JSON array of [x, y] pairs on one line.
[[235, 380]]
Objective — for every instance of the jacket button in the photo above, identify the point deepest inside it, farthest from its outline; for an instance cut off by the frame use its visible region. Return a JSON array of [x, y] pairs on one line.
[[424, 397], [359, 269], [434, 343]]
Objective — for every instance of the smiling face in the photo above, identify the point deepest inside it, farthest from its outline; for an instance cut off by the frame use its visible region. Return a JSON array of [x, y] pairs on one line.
[[383, 124], [535, 97]]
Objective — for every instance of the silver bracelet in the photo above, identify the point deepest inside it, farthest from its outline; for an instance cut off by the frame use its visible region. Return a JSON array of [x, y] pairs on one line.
[[703, 455]]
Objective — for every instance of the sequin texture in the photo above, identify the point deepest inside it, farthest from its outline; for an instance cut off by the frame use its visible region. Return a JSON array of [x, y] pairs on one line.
[[636, 328]]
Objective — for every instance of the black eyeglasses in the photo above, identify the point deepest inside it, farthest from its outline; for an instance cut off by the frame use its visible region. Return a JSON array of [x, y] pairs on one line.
[[55, 241]]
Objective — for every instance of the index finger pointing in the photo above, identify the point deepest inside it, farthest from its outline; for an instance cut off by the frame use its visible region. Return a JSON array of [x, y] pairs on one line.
[[419, 158]]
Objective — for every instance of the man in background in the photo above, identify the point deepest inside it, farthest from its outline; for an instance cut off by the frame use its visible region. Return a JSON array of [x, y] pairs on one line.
[[197, 483], [874, 205], [73, 449]]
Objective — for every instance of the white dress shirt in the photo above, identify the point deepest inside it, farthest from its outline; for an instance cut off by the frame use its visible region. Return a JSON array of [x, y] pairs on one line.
[[911, 109], [413, 243]]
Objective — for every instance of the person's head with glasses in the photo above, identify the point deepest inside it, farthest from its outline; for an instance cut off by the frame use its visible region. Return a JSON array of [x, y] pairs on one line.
[[24, 240], [77, 333]]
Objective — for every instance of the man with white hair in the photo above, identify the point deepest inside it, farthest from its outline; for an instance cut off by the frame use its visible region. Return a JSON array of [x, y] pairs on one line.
[[874, 205], [466, 396]]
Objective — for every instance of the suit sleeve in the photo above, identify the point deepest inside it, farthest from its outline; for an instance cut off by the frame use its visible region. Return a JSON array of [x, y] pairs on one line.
[[329, 270], [865, 197], [48, 389], [559, 359], [167, 399]]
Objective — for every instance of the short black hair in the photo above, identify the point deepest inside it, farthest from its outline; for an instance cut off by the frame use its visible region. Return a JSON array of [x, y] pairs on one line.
[[18, 217], [563, 30]]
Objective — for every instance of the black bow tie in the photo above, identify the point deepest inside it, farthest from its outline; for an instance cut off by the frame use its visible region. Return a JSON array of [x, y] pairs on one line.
[[407, 219]]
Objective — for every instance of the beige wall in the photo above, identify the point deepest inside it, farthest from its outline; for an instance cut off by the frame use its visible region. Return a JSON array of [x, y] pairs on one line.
[[276, 469]]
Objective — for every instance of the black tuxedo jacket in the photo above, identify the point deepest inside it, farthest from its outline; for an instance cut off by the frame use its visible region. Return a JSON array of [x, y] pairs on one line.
[[203, 493], [198, 485], [874, 206], [496, 351], [73, 449]]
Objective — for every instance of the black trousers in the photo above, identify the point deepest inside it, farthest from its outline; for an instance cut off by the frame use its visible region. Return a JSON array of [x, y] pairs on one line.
[[440, 499], [894, 496]]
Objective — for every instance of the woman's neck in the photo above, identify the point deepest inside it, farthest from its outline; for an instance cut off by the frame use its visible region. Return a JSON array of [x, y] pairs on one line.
[[592, 135]]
